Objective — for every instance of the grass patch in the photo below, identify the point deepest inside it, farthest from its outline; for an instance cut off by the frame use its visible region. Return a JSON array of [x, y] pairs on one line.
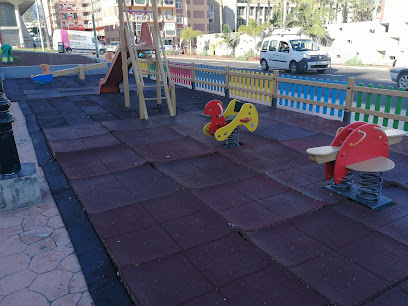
[[46, 50], [355, 61]]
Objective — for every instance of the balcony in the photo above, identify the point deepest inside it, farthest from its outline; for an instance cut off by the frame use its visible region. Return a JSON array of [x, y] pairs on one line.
[[169, 18]]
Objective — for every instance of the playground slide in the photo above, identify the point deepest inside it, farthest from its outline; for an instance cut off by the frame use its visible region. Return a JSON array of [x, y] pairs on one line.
[[114, 76]]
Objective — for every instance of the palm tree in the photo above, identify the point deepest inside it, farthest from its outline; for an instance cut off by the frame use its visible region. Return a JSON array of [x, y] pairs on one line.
[[188, 34], [229, 38], [362, 10]]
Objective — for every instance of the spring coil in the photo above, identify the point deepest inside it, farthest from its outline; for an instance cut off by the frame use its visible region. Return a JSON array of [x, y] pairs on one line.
[[345, 184], [370, 186], [233, 139]]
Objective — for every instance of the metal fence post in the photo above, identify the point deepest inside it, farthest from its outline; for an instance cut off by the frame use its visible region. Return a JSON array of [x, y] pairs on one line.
[[227, 82], [9, 160], [193, 85], [275, 88], [349, 99]]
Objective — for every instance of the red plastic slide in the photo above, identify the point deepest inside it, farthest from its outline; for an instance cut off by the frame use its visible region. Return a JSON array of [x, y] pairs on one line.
[[114, 76]]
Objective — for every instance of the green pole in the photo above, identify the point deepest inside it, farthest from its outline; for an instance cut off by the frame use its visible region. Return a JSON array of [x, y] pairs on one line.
[[94, 30]]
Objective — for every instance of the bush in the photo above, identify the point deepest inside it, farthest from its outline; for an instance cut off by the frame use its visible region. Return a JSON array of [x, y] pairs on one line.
[[170, 52], [242, 58], [355, 61], [250, 54], [204, 53]]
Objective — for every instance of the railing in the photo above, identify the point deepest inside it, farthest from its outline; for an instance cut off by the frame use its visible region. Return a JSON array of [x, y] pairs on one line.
[[330, 99]]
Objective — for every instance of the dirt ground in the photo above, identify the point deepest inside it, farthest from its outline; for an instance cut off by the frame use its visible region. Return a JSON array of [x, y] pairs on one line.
[[29, 58]]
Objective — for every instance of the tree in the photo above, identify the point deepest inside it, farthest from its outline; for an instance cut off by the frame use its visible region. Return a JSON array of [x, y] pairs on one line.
[[229, 38], [28, 16], [188, 35], [253, 29], [362, 10], [310, 16]]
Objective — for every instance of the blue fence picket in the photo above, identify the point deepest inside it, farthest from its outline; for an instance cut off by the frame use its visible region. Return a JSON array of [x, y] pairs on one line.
[[305, 93], [281, 90], [287, 90], [299, 92], [326, 97], [342, 99], [334, 97], [293, 92], [319, 95], [312, 95]]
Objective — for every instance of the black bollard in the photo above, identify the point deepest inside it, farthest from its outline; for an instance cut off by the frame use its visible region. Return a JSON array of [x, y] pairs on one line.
[[9, 160]]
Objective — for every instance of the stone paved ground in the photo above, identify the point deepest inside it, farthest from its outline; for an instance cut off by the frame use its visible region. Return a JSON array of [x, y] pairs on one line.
[[38, 265]]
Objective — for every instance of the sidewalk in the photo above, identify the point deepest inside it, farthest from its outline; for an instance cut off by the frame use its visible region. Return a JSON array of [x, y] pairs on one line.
[[38, 265]]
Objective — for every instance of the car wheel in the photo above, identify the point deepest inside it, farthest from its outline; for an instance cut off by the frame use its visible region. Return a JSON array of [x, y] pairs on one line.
[[402, 80], [264, 65], [293, 67], [69, 50], [321, 70]]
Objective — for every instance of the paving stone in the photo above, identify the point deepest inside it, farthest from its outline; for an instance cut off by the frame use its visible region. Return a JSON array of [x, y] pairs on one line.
[[393, 296], [21, 297], [339, 279], [10, 265], [9, 222], [53, 284], [39, 247], [55, 222], [16, 282], [141, 246], [47, 261], [34, 222], [12, 245], [70, 263], [212, 298], [10, 231], [197, 229], [86, 300], [69, 299], [271, 284], [287, 244], [292, 178], [175, 273], [78, 283], [61, 237], [35, 235], [227, 259]]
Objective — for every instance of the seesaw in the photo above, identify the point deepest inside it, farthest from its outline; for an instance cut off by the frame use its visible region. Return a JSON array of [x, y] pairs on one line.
[[225, 125], [362, 147], [48, 75]]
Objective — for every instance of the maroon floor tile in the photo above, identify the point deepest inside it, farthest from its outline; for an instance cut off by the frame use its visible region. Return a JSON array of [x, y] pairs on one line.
[[394, 296], [250, 140], [266, 164], [366, 215], [172, 206], [80, 172], [120, 221], [100, 140], [178, 168], [381, 255], [212, 298], [176, 274], [232, 172], [302, 144], [94, 185], [133, 138], [331, 228], [242, 156], [318, 192], [60, 133], [271, 286], [141, 246], [129, 124], [397, 230], [87, 130], [287, 244], [220, 197], [227, 259], [292, 178], [273, 149], [66, 145], [250, 216], [198, 180], [399, 196], [404, 286], [290, 204], [312, 169], [258, 187], [145, 182], [162, 133], [339, 279], [293, 159], [197, 229], [401, 147], [319, 124], [181, 118], [211, 162]]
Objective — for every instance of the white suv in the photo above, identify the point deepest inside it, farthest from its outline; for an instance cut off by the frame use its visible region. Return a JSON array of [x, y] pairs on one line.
[[399, 73], [293, 53]]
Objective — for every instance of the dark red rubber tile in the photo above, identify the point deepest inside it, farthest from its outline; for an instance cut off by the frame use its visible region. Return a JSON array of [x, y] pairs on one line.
[[145, 183], [250, 216], [66, 145], [198, 180], [80, 172], [319, 124], [339, 279], [399, 196], [313, 169], [227, 259], [290, 204], [182, 118], [141, 246], [211, 162], [172, 206], [273, 149], [292, 178], [364, 215], [106, 200], [404, 286], [94, 185], [381, 255], [287, 244], [318, 192], [162, 133], [100, 140], [197, 229], [250, 140], [285, 116], [181, 280], [87, 130], [178, 168], [401, 147], [133, 138], [397, 230], [171, 150], [220, 197], [120, 221], [394, 296], [293, 159], [331, 228], [212, 298], [266, 164], [272, 286], [129, 124], [258, 187], [302, 144], [60, 133]]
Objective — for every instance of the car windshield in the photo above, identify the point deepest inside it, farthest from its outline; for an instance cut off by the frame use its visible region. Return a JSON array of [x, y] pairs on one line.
[[114, 43], [304, 45]]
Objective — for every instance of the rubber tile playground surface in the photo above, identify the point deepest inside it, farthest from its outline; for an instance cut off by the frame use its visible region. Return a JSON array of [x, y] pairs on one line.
[[161, 214]]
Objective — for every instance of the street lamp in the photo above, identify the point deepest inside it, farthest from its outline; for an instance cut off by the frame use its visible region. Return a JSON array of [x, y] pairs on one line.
[[93, 24]]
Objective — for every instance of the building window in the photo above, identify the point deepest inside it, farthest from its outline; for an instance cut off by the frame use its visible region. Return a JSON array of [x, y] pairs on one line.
[[75, 16], [179, 32], [251, 11], [349, 41], [372, 31], [65, 16], [210, 13], [240, 21], [179, 19], [241, 11], [178, 4]]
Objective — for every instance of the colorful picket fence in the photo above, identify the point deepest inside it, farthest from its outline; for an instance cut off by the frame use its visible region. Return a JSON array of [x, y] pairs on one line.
[[180, 72], [202, 74]]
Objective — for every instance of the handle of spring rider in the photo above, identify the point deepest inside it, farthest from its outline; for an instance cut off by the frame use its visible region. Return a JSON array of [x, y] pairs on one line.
[[362, 138]]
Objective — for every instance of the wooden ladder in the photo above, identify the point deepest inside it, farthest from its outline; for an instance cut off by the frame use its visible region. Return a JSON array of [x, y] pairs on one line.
[[163, 77]]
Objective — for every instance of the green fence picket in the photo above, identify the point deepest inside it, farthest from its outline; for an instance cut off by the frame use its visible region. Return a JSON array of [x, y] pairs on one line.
[[406, 123], [359, 100], [398, 108], [368, 102], [387, 109], [378, 99]]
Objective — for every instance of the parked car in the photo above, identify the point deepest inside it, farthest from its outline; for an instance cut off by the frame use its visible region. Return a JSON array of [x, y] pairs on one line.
[[77, 41], [399, 72], [291, 52], [112, 46]]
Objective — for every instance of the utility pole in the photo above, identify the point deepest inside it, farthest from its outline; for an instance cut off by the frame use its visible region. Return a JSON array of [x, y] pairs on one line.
[[284, 15], [93, 24], [39, 26]]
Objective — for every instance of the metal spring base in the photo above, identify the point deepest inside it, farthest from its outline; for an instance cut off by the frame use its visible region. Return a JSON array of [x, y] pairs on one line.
[[367, 193], [345, 184], [233, 139]]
